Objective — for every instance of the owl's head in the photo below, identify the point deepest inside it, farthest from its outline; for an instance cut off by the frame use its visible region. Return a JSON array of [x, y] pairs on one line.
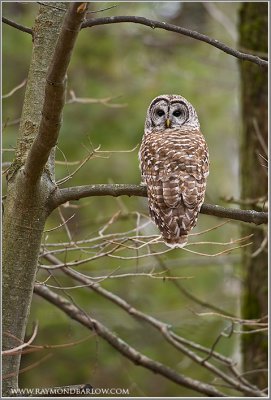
[[170, 111]]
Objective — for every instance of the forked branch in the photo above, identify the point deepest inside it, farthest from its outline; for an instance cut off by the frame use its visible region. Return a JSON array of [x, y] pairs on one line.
[[124, 348], [232, 378]]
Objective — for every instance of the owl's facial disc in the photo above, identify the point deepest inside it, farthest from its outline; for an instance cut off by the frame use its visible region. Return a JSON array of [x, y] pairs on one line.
[[178, 114], [165, 114], [159, 114]]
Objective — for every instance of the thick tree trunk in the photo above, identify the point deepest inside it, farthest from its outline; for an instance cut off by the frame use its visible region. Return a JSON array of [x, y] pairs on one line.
[[26, 208], [253, 38]]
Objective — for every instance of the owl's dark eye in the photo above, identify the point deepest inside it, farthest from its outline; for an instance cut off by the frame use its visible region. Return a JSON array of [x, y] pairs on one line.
[[177, 113], [160, 112]]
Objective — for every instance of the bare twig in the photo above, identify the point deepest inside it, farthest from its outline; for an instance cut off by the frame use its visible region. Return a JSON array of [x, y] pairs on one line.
[[124, 348], [176, 340], [259, 202], [6, 166], [244, 322], [261, 247], [64, 222], [23, 345], [51, 6], [15, 121], [81, 164], [75, 193], [29, 367], [128, 275], [227, 332], [227, 251], [222, 18], [35, 348], [17, 26], [14, 90], [102, 9], [54, 94], [89, 100], [260, 136], [173, 28], [189, 295]]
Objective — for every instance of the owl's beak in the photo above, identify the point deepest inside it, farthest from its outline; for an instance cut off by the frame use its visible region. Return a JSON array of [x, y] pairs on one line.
[[168, 123]]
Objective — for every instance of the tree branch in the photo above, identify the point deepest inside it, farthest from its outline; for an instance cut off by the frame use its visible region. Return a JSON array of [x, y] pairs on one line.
[[177, 341], [124, 348], [17, 26], [174, 339], [61, 196], [54, 93], [174, 28]]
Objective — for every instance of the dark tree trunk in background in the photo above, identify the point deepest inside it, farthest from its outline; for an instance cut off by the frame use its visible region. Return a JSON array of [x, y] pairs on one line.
[[254, 92]]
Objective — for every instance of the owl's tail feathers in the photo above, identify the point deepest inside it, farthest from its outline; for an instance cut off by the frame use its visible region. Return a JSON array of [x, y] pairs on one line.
[[175, 242]]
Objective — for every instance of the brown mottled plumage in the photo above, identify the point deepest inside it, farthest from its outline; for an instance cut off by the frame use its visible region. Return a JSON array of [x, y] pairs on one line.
[[174, 163]]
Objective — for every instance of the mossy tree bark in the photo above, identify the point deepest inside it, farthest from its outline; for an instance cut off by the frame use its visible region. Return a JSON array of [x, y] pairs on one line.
[[31, 177], [254, 92]]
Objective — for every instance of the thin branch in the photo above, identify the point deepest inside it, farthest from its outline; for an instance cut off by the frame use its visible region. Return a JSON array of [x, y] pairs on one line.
[[36, 348], [260, 136], [227, 332], [222, 18], [128, 275], [17, 26], [244, 322], [23, 345], [29, 367], [14, 90], [261, 248], [124, 348], [258, 202], [89, 100], [48, 5], [15, 121], [81, 164], [54, 94], [174, 28], [64, 222], [176, 340], [188, 294], [61, 196], [102, 9]]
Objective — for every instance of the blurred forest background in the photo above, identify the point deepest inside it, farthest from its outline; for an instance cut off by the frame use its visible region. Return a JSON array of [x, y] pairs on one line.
[[131, 64]]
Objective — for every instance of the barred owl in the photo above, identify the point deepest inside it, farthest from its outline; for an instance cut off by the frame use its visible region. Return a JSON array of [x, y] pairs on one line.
[[174, 164]]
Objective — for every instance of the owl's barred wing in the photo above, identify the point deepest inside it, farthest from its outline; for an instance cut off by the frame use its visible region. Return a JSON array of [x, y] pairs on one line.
[[184, 176], [171, 191], [174, 208], [183, 189]]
